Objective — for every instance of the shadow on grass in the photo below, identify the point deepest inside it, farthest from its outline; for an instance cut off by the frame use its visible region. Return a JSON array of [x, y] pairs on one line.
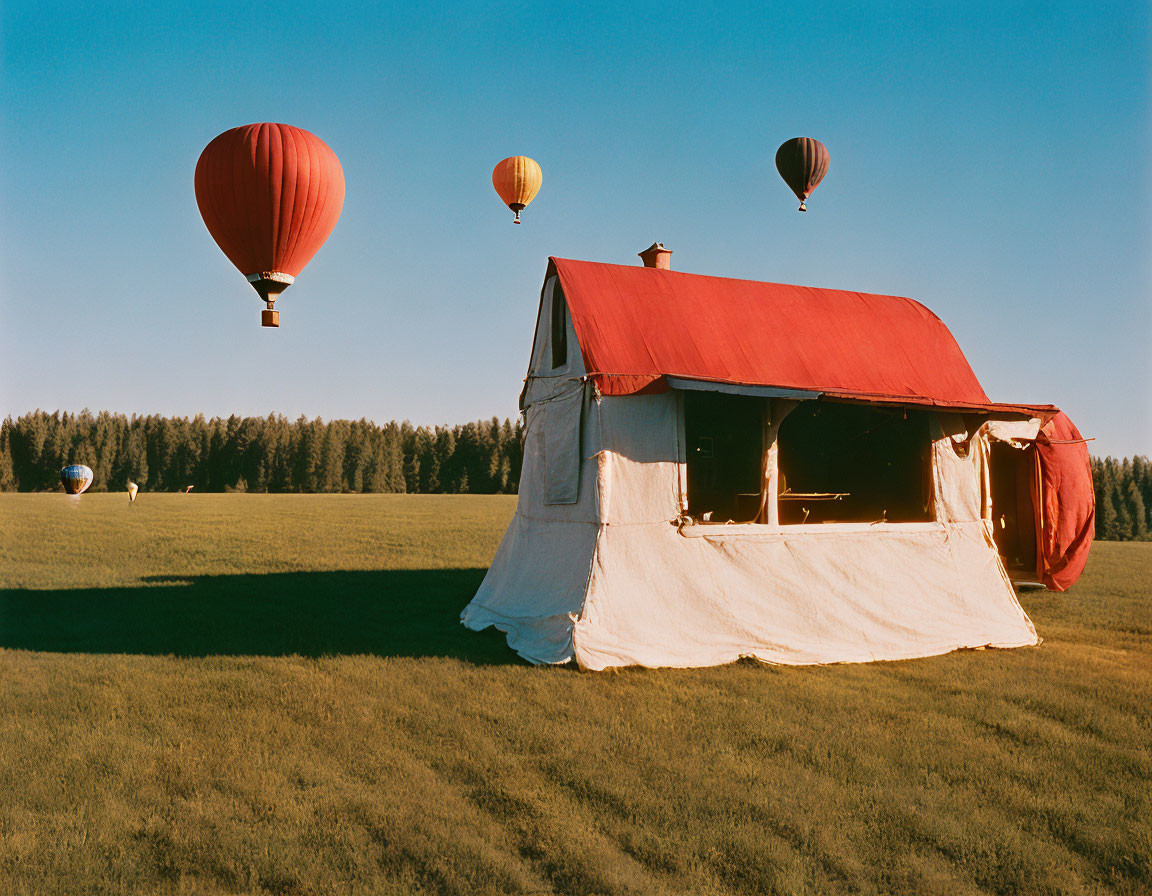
[[408, 613]]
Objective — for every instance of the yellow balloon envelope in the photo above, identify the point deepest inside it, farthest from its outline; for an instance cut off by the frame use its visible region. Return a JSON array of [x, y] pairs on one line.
[[517, 181]]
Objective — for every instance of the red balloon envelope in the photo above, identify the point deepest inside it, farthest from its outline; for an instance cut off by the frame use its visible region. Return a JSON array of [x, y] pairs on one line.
[[269, 194]]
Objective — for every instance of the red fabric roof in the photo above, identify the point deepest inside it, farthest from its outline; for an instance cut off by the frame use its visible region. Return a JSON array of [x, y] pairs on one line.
[[638, 325]]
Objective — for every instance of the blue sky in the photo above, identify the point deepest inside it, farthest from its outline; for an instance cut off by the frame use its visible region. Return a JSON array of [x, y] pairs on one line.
[[990, 160]]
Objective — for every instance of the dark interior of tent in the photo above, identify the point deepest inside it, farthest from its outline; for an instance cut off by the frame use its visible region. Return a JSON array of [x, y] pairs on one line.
[[855, 463], [1011, 471], [725, 439], [838, 462]]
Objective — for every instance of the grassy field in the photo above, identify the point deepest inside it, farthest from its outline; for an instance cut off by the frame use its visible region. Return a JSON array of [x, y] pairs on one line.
[[272, 694]]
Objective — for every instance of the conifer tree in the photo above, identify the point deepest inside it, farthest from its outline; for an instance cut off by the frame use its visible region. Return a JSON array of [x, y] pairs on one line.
[[1122, 528], [330, 476], [393, 459], [7, 469], [1134, 504], [308, 449], [1106, 528]]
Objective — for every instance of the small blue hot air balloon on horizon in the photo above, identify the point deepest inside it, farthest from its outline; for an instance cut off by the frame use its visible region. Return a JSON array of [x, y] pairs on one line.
[[76, 478]]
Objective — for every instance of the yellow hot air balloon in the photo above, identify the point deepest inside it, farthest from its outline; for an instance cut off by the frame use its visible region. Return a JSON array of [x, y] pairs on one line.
[[517, 181]]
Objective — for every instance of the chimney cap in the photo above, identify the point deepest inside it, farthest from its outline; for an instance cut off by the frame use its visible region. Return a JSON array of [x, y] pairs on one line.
[[656, 256]]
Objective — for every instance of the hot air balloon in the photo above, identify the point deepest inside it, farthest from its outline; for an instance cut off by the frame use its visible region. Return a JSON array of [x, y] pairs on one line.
[[517, 181], [269, 194], [802, 162], [76, 478], [133, 488]]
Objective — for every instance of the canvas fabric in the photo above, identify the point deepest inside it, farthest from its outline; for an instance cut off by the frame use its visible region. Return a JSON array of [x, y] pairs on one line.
[[658, 597], [959, 471], [612, 580]]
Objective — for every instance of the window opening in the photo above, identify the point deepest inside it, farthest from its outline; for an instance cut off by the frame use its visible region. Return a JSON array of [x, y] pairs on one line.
[[559, 328], [724, 435], [1013, 518], [854, 463]]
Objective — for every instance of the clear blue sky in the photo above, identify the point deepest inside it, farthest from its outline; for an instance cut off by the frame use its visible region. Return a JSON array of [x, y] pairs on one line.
[[991, 160]]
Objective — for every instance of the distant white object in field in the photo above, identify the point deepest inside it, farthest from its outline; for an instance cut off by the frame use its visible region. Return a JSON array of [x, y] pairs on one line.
[[188, 489], [132, 489]]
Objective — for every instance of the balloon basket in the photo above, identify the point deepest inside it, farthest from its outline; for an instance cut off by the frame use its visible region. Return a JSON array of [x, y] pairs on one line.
[[269, 285]]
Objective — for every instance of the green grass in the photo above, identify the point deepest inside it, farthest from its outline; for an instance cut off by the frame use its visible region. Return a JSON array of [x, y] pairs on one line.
[[254, 694]]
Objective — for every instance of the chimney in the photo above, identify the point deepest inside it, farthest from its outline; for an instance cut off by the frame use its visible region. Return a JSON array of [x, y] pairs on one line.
[[656, 256]]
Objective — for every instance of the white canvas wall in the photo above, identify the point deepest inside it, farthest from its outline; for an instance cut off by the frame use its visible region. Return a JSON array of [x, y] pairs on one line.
[[539, 577], [840, 594]]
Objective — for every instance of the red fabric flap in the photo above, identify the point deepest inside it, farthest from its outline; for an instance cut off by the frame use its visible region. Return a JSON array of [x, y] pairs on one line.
[[1067, 503]]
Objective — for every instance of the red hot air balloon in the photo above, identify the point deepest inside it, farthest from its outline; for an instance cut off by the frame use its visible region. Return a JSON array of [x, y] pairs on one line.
[[802, 162], [269, 194]]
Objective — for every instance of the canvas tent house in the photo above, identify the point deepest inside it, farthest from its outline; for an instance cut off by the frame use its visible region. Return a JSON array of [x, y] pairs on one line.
[[718, 468]]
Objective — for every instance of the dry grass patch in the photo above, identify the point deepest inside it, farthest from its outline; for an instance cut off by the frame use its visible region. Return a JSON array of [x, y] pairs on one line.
[[258, 694]]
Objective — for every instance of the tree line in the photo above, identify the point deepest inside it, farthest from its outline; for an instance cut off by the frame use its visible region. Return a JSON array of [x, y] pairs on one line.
[[1123, 498], [273, 454], [266, 454]]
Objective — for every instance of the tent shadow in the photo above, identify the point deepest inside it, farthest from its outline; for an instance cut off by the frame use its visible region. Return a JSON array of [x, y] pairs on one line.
[[390, 613]]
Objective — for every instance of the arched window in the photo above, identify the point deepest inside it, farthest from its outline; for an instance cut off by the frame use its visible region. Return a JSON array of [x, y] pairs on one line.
[[559, 328]]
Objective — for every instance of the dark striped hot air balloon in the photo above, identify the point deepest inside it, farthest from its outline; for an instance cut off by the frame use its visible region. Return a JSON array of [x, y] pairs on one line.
[[76, 478], [269, 194], [802, 162]]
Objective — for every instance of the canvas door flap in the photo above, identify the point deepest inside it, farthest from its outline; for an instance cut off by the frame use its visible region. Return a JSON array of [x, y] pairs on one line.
[[959, 471], [562, 416]]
